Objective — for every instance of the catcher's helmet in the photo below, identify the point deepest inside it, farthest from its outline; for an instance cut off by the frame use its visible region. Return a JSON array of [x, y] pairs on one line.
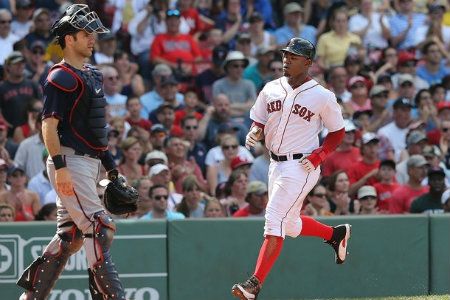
[[78, 17], [302, 47]]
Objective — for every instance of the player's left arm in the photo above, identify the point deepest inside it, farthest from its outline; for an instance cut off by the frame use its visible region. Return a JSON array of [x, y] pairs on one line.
[[333, 121]]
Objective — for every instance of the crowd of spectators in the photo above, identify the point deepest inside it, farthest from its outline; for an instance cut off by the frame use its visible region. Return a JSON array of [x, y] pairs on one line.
[[180, 77]]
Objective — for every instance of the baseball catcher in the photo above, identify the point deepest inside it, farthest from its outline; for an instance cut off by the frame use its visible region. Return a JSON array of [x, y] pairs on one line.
[[75, 133]]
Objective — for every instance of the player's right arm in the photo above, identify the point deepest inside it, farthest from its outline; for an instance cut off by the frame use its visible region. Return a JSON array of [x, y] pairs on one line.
[[58, 89], [259, 115]]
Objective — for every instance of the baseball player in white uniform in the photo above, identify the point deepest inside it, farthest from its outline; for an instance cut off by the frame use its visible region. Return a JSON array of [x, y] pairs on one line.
[[289, 114]]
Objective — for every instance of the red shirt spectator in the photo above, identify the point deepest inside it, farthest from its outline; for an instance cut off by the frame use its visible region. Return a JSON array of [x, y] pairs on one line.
[[340, 160], [402, 198], [385, 192]]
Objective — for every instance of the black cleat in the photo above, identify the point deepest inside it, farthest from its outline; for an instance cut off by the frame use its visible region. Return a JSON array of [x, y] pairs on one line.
[[247, 290], [339, 241]]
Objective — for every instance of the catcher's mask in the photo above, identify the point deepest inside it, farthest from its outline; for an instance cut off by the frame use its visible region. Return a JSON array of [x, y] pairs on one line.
[[78, 17]]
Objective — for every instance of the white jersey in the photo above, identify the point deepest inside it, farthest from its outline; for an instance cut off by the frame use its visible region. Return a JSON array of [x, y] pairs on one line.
[[293, 118]]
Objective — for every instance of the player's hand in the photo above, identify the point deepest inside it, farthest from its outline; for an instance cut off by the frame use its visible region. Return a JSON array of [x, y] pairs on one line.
[[253, 136], [63, 181], [307, 164]]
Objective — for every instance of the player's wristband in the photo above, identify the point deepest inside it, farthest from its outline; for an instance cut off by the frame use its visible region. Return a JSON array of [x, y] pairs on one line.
[[59, 162]]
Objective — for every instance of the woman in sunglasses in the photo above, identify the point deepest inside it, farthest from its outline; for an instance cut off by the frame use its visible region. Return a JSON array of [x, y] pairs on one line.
[[219, 172]]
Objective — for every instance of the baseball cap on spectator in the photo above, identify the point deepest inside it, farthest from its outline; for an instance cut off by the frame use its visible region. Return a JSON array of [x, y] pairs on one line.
[[219, 54], [378, 89], [366, 191], [244, 36], [235, 56], [106, 36], [256, 187], [436, 171], [14, 58], [383, 78], [443, 105], [292, 8], [15, 170], [157, 155], [369, 137], [404, 78], [415, 137], [402, 102], [173, 13], [157, 128], [3, 125], [255, 17], [263, 50], [431, 151], [445, 197], [436, 6], [169, 80], [24, 4], [163, 106], [156, 169], [406, 58], [356, 79], [349, 125], [37, 44], [39, 12], [360, 113], [161, 70], [415, 161], [388, 163], [239, 162]]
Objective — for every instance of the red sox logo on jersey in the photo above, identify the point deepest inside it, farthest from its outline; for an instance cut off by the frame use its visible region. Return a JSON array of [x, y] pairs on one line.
[[302, 111]]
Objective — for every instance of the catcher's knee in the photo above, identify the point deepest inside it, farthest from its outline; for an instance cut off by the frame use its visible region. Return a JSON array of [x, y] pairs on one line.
[[72, 240], [104, 230]]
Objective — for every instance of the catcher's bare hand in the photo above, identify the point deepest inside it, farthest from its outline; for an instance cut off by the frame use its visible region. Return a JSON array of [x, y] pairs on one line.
[[253, 136], [63, 181]]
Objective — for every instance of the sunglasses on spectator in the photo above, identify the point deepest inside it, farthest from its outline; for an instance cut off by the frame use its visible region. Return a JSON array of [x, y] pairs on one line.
[[276, 69], [368, 198], [319, 195], [114, 134], [406, 84], [236, 66], [161, 197], [38, 51], [173, 13], [227, 147], [17, 175], [382, 95], [5, 21], [445, 129], [190, 127]]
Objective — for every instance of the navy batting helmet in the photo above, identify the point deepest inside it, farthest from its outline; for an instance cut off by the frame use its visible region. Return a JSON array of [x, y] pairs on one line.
[[302, 47], [78, 17]]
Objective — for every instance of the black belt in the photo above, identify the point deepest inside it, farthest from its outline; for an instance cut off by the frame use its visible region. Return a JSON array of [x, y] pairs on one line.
[[284, 157], [85, 154]]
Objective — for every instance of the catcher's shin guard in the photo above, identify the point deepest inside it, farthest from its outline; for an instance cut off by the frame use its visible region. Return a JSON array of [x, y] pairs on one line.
[[104, 271], [40, 277]]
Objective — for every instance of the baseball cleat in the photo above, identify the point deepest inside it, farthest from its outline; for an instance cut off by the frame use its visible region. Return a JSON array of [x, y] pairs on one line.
[[247, 290], [339, 241]]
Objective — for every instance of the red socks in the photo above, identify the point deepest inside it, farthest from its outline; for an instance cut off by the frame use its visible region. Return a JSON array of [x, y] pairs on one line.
[[272, 245], [270, 250], [311, 227]]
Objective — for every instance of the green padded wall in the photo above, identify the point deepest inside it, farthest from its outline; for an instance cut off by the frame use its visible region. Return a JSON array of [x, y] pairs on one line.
[[139, 251], [440, 254], [388, 256]]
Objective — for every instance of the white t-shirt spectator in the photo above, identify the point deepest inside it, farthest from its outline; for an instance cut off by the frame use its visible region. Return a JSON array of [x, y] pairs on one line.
[[374, 37], [215, 155], [7, 46]]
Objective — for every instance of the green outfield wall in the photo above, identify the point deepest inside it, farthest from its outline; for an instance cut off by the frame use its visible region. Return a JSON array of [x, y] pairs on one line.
[[201, 259]]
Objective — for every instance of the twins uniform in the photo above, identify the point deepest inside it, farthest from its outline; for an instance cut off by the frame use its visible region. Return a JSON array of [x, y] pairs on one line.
[[292, 119]]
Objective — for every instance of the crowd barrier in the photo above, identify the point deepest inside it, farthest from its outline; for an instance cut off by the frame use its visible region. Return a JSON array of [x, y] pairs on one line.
[[201, 259]]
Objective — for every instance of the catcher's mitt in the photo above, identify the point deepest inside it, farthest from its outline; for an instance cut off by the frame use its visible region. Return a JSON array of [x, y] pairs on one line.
[[120, 198]]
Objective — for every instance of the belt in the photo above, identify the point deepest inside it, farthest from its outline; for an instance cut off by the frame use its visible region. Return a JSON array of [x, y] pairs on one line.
[[285, 157], [85, 154]]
